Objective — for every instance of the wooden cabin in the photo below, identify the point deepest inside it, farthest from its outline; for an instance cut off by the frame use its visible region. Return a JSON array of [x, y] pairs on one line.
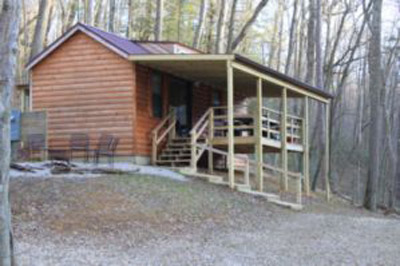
[[171, 104]]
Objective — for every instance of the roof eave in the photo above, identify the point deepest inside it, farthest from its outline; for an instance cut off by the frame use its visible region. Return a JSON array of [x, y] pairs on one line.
[[281, 76]]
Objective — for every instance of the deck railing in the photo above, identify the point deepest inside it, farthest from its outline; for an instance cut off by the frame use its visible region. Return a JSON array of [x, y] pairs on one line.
[[245, 123], [166, 128]]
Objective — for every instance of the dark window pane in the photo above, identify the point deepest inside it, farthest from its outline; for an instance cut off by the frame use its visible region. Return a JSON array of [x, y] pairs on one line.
[[156, 81]]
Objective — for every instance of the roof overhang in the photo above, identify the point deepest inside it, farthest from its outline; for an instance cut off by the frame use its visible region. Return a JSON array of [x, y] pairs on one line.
[[212, 70]]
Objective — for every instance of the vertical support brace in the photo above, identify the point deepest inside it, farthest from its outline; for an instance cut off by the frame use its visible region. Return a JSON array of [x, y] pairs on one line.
[[284, 140], [327, 147], [231, 146], [210, 139], [154, 149], [259, 147], [306, 148], [193, 153]]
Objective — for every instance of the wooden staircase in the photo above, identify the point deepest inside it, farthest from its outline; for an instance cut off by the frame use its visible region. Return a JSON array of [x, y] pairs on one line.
[[177, 153]]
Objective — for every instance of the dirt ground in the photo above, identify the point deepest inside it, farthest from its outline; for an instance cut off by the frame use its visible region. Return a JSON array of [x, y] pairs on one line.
[[145, 220]]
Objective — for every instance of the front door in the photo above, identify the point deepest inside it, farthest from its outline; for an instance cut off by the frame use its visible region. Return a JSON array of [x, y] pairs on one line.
[[180, 95]]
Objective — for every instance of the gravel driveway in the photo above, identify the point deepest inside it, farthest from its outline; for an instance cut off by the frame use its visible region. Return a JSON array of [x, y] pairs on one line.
[[144, 220]]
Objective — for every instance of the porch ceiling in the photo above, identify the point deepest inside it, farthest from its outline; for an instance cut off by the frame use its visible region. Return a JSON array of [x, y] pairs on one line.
[[211, 70]]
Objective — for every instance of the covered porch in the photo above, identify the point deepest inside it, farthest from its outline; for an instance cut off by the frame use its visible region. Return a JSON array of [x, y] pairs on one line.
[[254, 128]]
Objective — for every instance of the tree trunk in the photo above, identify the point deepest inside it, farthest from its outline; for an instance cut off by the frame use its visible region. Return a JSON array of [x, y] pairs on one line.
[[89, 12], [220, 26], [200, 26], [291, 38], [231, 27], [210, 27], [158, 28], [129, 27], [111, 16], [9, 25], [248, 24], [311, 44], [375, 82], [40, 28]]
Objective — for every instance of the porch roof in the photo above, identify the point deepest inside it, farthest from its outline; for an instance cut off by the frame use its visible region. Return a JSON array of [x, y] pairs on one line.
[[212, 70]]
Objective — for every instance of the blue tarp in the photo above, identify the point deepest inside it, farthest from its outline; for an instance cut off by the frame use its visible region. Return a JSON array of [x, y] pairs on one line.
[[15, 125]]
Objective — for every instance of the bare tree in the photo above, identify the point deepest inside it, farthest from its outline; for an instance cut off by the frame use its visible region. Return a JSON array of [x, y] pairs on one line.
[[158, 28], [111, 16], [311, 43], [41, 26], [200, 26], [89, 12], [291, 38], [248, 24], [231, 26], [9, 25], [220, 26], [375, 83], [129, 27]]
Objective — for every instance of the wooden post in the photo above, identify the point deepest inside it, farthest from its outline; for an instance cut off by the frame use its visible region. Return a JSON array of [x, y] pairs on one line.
[[193, 153], [154, 149], [284, 139], [299, 189], [210, 138], [306, 149], [231, 147], [247, 173], [258, 133], [327, 166]]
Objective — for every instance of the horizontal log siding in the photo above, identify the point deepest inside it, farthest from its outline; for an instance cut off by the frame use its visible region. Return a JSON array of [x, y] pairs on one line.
[[202, 100], [86, 88]]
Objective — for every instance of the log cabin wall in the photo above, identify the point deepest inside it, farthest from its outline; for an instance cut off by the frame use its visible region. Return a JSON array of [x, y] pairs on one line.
[[145, 121], [86, 88]]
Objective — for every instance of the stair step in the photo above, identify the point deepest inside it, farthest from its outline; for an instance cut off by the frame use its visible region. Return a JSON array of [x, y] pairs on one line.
[[176, 145], [175, 156], [167, 150], [173, 161]]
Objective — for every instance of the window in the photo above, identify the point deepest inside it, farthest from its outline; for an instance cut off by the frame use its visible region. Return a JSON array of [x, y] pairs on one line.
[[156, 84], [216, 98]]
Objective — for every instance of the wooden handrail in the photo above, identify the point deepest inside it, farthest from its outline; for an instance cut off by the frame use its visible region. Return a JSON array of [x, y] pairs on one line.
[[169, 120], [202, 118], [163, 121]]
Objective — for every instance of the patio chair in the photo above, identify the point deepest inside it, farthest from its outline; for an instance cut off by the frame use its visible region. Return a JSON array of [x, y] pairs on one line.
[[106, 146], [79, 142], [36, 144]]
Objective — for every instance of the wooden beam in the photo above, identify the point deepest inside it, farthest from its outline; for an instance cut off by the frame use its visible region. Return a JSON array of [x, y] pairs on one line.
[[258, 131], [306, 148], [231, 146], [210, 138], [284, 140], [327, 147], [181, 57], [278, 82]]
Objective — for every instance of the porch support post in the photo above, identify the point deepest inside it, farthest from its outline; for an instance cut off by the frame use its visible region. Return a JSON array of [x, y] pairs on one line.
[[231, 147], [306, 149], [327, 147], [258, 134], [210, 139], [284, 140]]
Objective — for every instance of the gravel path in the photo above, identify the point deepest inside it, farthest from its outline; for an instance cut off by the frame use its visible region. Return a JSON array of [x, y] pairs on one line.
[[142, 220]]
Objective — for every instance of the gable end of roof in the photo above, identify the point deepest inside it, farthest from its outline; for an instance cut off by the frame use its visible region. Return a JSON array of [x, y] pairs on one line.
[[79, 27]]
